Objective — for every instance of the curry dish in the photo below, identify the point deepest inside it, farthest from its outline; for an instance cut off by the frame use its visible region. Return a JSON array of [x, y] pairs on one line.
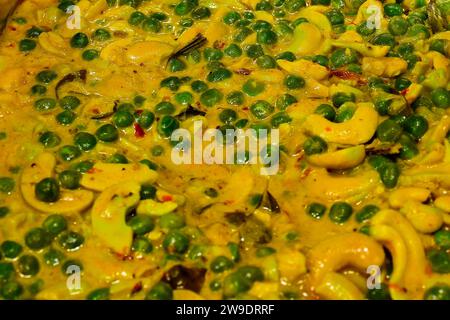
[[92, 205]]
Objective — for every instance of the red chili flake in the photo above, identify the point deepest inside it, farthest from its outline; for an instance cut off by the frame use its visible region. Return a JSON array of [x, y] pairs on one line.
[[138, 131], [166, 198], [137, 288], [404, 92], [348, 75], [328, 129], [93, 170], [139, 112], [12, 28], [96, 111], [243, 71], [219, 44], [306, 173]]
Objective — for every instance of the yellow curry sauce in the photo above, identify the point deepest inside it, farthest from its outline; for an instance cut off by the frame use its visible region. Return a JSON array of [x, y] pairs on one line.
[[93, 206]]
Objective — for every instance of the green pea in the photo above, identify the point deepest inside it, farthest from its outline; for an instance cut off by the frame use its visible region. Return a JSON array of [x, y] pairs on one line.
[[398, 26], [142, 245], [294, 5], [68, 267], [389, 131], [199, 86], [152, 25], [126, 107], [4, 211], [85, 141], [417, 17], [53, 257], [393, 9], [416, 125], [157, 151], [231, 17], [381, 293], [241, 124], [37, 239], [176, 242], [55, 224], [49, 139], [389, 174], [343, 56], [294, 82], [141, 224], [172, 83], [280, 118], [6, 271], [83, 166], [201, 13], [327, 111], [242, 23], [79, 40], [11, 290], [20, 20], [401, 83], [316, 210], [254, 51], [107, 133], [298, 21], [320, 59], [264, 5], [266, 62], [440, 260], [335, 17], [46, 76], [285, 101], [234, 284], [184, 98], [47, 190], [384, 39], [211, 192], [340, 212], [211, 97], [241, 34], [364, 30], [215, 285], [212, 54], [38, 89], [145, 118], [66, 117], [439, 45], [441, 98], [227, 116], [11, 249], [409, 149], [419, 30], [171, 221], [345, 113], [176, 65], [167, 125], [253, 87], [26, 45], [221, 264], [315, 145], [99, 294], [28, 265], [117, 158], [45, 104], [91, 54], [69, 152], [438, 292], [442, 238], [136, 18], [233, 50], [148, 191], [101, 35], [160, 291], [261, 109], [250, 273], [267, 37], [260, 25], [234, 251], [7, 184], [262, 252], [366, 213], [287, 55], [219, 74], [70, 240]]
